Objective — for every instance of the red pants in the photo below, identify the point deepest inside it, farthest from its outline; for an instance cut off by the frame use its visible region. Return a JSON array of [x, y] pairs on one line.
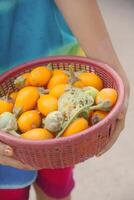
[[56, 183]]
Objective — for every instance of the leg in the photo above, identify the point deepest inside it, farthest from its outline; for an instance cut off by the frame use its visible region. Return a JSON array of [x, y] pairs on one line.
[[40, 195], [14, 194], [55, 183]]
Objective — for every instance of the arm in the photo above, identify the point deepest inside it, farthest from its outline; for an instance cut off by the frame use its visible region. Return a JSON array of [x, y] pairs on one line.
[[85, 21]]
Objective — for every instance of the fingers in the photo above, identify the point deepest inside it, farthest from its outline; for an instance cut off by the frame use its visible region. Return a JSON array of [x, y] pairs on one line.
[[119, 127], [14, 163], [6, 153], [125, 108], [5, 150], [121, 116]]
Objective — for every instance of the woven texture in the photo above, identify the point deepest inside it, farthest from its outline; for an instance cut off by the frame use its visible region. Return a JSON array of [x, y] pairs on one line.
[[68, 151]]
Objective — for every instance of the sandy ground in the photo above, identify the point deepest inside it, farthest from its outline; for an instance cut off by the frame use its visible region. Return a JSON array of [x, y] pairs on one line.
[[111, 177]]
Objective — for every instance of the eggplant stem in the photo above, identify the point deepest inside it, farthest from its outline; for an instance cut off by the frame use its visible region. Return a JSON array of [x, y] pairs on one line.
[[88, 109], [73, 77], [72, 118], [49, 66]]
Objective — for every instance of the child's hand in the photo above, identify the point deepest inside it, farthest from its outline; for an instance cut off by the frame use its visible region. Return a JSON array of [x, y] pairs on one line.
[[6, 158], [120, 121]]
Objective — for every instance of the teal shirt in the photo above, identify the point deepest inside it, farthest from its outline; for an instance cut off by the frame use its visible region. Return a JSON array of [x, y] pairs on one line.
[[29, 29]]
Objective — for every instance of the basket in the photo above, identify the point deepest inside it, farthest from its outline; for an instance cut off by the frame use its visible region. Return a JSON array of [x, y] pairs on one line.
[[66, 151]]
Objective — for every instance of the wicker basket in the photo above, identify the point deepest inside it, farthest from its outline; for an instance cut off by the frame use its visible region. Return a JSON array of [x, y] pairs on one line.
[[68, 151]]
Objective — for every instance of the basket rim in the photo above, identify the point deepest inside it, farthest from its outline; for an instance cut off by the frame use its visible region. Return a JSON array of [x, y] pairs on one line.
[[83, 60]]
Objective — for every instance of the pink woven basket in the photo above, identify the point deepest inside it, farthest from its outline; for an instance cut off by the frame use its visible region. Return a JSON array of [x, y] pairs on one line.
[[68, 151]]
